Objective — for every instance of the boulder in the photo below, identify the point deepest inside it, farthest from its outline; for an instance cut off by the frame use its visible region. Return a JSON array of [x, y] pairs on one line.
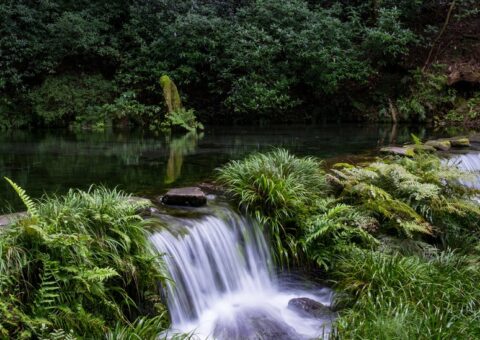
[[254, 324], [310, 308], [442, 145], [190, 196], [398, 151]]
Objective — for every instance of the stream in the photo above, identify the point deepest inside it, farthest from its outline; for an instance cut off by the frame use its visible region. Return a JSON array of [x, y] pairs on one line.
[[224, 285]]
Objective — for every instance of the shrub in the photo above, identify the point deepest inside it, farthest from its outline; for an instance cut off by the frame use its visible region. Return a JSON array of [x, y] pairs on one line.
[[335, 228], [275, 188], [411, 196], [61, 100], [429, 95], [408, 297], [76, 264]]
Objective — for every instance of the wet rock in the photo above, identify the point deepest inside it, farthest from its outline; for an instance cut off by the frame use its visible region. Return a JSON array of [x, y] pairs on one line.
[[149, 211], [211, 188], [254, 324], [190, 196], [310, 308], [398, 151], [442, 145]]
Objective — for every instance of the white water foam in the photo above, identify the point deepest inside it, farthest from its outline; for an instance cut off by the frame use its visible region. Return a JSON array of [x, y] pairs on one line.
[[469, 162], [223, 285]]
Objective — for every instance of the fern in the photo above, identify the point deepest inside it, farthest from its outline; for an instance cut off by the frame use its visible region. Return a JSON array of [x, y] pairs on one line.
[[27, 201], [49, 291]]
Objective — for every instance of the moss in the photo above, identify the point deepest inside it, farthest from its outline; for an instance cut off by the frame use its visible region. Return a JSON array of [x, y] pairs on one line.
[[460, 141], [443, 145], [170, 93], [420, 148], [408, 151]]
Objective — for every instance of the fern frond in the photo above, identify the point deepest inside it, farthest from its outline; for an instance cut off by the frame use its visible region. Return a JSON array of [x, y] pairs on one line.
[[27, 201]]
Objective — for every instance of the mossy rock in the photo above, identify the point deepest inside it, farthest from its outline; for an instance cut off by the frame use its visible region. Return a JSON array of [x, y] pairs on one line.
[[460, 142], [421, 148], [407, 151], [170, 94], [443, 145]]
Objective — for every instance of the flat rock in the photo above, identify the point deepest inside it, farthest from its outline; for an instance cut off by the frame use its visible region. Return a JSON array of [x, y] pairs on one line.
[[190, 196], [398, 151], [310, 308], [442, 145], [5, 220]]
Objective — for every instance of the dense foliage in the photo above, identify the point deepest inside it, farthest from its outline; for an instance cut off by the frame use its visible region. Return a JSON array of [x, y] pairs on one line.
[[61, 62], [399, 237], [79, 266]]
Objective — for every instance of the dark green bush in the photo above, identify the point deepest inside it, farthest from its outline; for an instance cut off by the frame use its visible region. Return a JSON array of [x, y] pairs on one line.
[[242, 60], [72, 98]]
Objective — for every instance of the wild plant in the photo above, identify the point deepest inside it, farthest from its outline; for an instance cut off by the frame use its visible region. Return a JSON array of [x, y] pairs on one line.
[[78, 264], [275, 188]]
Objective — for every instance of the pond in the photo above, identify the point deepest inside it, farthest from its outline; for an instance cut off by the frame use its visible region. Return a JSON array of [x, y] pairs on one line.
[[146, 164]]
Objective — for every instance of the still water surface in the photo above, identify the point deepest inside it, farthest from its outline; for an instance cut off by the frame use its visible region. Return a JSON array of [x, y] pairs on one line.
[[54, 161]]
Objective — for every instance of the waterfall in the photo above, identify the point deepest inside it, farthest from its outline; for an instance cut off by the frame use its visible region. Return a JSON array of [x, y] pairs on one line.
[[223, 285], [469, 162]]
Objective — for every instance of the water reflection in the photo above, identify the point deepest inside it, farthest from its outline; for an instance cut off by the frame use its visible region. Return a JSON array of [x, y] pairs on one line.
[[180, 147], [53, 161]]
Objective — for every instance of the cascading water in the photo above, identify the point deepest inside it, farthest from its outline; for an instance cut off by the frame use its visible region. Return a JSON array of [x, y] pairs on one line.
[[223, 286], [469, 162]]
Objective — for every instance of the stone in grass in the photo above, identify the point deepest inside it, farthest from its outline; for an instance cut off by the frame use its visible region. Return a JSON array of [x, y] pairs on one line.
[[310, 308], [190, 196], [398, 151], [442, 145]]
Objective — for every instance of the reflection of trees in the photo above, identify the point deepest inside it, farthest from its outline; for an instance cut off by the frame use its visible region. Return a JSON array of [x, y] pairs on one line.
[[180, 147]]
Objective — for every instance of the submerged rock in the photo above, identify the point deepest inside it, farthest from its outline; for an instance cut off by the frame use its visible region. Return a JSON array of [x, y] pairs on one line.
[[442, 145], [254, 324], [190, 196], [398, 151], [310, 308]]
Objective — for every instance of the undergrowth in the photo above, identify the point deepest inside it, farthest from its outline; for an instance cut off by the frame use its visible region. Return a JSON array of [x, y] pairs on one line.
[[398, 237], [79, 266]]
